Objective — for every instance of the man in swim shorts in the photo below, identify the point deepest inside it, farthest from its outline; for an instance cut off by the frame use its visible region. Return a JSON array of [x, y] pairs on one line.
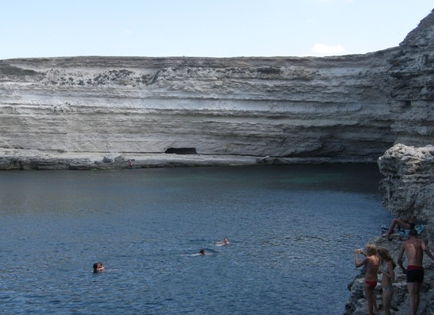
[[413, 249], [372, 262]]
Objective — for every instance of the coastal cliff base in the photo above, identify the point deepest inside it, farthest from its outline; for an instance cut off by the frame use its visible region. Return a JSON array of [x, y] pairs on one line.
[[104, 161], [408, 188]]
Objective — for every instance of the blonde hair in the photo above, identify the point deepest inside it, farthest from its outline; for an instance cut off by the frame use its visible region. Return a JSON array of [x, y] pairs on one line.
[[371, 249]]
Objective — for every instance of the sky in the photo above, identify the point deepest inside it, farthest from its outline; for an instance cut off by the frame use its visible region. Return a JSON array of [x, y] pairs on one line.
[[204, 28]]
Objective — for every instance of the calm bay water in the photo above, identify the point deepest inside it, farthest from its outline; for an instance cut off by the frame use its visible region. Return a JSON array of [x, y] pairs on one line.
[[292, 230]]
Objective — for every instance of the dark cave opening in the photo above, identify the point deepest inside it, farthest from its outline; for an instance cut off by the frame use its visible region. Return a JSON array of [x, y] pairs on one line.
[[181, 151]]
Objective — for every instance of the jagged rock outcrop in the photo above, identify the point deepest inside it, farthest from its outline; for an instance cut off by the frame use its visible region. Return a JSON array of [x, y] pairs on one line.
[[408, 187], [408, 183], [412, 98]]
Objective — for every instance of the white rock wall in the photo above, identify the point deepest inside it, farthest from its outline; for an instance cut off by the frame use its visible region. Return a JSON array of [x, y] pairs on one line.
[[283, 107], [337, 108]]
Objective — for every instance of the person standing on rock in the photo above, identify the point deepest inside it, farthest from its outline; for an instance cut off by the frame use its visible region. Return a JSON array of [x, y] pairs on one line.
[[407, 224], [387, 265], [372, 263], [413, 249]]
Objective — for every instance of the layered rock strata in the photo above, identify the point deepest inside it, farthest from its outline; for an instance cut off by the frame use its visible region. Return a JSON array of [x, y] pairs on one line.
[[412, 79], [80, 110], [408, 184]]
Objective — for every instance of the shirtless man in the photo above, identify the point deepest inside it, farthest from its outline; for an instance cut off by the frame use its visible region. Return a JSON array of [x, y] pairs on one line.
[[372, 262], [413, 249]]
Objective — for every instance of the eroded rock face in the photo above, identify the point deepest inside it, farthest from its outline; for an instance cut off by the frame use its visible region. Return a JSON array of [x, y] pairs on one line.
[[409, 191], [408, 183], [278, 107], [408, 188], [412, 98], [349, 108]]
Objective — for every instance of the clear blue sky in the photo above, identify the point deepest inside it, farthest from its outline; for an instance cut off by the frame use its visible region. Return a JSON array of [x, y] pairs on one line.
[[216, 28]]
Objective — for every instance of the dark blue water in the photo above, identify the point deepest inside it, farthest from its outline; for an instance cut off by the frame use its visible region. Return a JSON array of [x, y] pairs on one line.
[[292, 230]]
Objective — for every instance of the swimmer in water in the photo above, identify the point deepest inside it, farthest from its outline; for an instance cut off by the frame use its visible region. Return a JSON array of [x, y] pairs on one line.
[[223, 243], [98, 267], [202, 252]]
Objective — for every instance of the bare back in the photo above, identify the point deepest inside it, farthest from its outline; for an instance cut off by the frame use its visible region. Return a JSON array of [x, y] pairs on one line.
[[414, 251]]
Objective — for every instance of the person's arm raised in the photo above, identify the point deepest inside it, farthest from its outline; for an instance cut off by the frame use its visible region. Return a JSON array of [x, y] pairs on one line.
[[357, 261]]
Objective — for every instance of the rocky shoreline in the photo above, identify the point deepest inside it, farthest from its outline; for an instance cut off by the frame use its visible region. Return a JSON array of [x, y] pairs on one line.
[[93, 161], [86, 113], [408, 189], [408, 166]]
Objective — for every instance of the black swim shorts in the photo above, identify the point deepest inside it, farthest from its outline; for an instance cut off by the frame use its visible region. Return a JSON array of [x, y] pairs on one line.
[[415, 275]]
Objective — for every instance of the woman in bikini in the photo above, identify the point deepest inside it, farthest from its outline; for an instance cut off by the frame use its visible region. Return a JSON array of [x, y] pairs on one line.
[[387, 265], [372, 263]]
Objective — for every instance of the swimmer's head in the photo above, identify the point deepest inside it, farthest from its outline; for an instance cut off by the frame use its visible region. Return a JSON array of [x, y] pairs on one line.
[[98, 267], [371, 249], [202, 252]]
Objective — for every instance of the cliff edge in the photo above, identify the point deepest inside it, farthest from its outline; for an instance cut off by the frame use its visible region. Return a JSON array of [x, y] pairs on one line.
[[78, 112], [408, 166], [115, 112]]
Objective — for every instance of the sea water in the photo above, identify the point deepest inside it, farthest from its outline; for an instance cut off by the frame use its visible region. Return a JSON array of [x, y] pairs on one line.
[[292, 230]]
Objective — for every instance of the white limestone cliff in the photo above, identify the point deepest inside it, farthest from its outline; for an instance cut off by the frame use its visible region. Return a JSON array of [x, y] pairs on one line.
[[408, 166], [73, 112]]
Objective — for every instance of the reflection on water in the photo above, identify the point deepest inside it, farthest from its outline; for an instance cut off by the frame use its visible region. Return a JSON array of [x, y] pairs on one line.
[[292, 232]]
